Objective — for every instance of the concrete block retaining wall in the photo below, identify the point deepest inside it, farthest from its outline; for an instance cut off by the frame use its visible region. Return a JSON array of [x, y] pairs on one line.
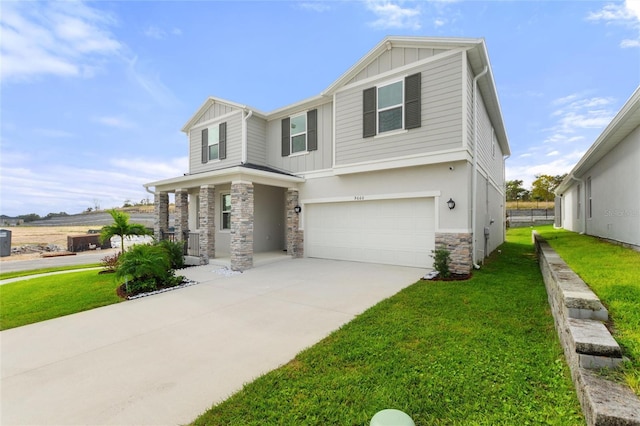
[[588, 346]]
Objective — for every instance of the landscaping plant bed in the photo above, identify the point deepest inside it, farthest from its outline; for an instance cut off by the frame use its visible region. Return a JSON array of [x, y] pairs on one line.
[[122, 290], [452, 277]]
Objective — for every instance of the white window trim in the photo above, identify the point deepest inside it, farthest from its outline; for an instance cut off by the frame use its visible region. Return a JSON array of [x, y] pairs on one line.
[[222, 211], [209, 145], [401, 104], [305, 133]]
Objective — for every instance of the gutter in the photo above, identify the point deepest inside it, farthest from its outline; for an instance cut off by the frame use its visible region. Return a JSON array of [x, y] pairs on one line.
[[244, 135], [474, 177]]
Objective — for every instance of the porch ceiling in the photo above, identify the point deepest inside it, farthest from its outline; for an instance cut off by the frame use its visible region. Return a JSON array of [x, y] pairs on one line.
[[232, 174]]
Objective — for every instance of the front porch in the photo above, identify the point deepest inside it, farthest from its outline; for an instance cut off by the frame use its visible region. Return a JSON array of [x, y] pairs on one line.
[[230, 216]]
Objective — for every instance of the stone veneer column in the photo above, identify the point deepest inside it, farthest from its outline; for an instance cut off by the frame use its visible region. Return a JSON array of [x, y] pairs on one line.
[[161, 216], [241, 226], [295, 237], [181, 219], [459, 246], [207, 223]]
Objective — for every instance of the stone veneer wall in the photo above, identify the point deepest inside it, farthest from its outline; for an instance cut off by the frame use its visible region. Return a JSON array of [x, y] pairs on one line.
[[459, 246], [588, 346], [207, 225], [241, 226], [295, 237], [182, 214], [161, 216]]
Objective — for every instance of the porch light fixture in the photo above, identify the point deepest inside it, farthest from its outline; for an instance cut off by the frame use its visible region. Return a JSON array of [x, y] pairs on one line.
[[451, 204], [297, 209]]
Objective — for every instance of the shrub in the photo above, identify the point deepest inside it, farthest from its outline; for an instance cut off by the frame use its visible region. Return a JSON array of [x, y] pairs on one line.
[[175, 252], [110, 263], [144, 264], [441, 261]]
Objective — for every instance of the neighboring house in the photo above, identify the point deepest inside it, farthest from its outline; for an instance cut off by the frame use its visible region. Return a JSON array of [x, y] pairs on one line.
[[362, 172], [601, 195]]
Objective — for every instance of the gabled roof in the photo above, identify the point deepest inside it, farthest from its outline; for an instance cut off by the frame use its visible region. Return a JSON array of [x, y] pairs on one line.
[[214, 100], [476, 53], [627, 120]]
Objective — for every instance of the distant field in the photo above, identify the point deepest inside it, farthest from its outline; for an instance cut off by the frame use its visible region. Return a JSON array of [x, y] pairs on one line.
[[36, 235], [512, 205]]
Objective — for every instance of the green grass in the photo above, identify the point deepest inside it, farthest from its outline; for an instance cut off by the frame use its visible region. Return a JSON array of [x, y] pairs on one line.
[[16, 274], [479, 352], [613, 273], [43, 298]]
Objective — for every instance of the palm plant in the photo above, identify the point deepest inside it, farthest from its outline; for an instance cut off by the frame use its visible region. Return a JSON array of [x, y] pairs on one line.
[[146, 264], [121, 227]]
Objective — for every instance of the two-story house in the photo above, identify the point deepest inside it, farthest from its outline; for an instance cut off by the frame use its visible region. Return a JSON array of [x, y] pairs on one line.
[[402, 154]]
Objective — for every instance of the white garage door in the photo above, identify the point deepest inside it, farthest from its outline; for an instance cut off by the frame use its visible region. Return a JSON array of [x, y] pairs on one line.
[[396, 232]]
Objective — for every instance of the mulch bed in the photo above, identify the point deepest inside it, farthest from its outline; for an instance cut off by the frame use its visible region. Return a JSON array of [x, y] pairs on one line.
[[452, 277]]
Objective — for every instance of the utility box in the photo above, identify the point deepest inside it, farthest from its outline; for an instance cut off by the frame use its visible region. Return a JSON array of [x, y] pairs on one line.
[[5, 242]]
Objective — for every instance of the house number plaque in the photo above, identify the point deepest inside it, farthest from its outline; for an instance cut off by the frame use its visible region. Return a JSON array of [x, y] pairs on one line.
[[358, 197]]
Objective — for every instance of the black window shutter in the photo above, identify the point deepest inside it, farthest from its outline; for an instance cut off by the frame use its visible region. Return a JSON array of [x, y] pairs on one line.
[[369, 111], [205, 145], [286, 149], [222, 141], [412, 101], [312, 130]]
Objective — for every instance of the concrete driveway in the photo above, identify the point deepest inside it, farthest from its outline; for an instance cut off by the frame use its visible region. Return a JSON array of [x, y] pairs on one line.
[[164, 359]]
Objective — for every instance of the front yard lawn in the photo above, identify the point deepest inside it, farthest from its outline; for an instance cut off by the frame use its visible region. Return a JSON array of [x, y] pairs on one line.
[[613, 273], [482, 352], [43, 298]]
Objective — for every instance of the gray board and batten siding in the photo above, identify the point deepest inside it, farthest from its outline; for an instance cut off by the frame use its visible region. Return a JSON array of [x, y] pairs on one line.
[[234, 144], [319, 159], [441, 104]]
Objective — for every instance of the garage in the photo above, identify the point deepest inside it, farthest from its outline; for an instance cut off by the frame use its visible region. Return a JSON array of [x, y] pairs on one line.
[[390, 231]]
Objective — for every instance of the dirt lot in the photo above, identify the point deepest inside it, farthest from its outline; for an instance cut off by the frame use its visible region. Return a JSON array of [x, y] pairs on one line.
[[42, 236], [23, 235]]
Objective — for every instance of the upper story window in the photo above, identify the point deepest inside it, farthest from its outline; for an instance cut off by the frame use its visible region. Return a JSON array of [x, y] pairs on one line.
[[300, 133], [214, 142], [392, 106]]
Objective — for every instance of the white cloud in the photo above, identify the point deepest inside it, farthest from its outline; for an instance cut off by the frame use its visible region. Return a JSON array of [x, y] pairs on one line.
[[626, 14], [54, 38], [150, 82], [117, 122], [553, 153], [159, 34], [527, 171], [393, 15], [45, 188], [155, 32], [578, 114], [53, 133]]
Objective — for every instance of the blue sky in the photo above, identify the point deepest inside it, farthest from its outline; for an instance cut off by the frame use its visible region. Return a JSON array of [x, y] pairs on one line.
[[94, 94]]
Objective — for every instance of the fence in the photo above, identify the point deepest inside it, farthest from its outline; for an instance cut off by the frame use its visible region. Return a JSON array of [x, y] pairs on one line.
[[191, 242], [529, 217]]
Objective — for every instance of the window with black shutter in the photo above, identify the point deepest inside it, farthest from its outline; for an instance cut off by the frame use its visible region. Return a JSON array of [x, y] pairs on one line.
[[393, 106], [214, 142], [300, 133]]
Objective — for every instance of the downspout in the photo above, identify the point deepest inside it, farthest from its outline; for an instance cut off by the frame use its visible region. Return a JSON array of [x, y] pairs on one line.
[[148, 190], [474, 177], [244, 135]]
